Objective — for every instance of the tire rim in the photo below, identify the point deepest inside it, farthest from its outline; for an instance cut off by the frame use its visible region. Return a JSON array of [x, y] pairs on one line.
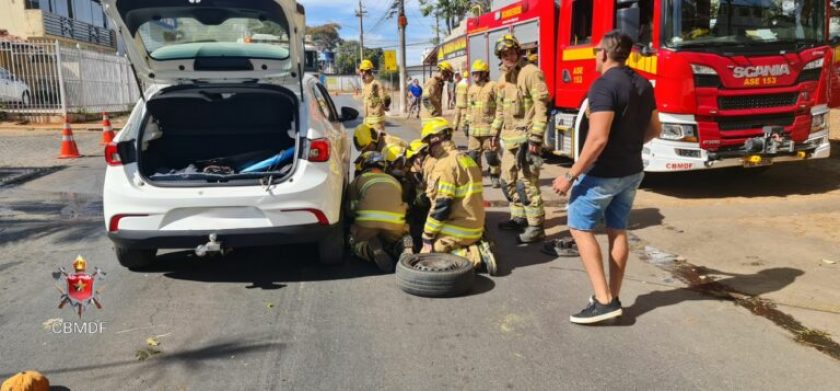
[[434, 264]]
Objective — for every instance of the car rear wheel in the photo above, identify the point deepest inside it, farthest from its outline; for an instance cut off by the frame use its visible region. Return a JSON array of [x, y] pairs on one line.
[[435, 275], [135, 258]]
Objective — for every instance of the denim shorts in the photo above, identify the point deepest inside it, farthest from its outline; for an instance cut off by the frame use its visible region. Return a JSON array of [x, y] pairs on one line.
[[609, 200]]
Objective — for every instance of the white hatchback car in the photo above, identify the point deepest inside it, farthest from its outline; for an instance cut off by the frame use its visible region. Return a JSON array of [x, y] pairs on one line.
[[232, 145]]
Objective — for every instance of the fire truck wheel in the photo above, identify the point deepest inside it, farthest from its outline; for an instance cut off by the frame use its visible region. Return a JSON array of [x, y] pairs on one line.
[[435, 275], [134, 258]]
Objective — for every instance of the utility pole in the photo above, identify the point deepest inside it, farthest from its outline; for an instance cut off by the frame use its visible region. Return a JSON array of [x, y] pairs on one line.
[[437, 27], [360, 13], [402, 22]]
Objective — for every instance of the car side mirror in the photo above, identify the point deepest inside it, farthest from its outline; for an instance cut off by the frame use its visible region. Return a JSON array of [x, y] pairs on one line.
[[349, 114]]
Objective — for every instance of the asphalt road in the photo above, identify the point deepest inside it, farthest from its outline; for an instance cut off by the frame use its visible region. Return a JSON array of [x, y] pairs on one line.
[[272, 319]]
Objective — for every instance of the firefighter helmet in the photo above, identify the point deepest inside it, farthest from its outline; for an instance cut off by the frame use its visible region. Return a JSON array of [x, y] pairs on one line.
[[366, 65], [415, 148], [480, 66], [506, 42], [369, 160], [392, 153], [364, 136], [435, 126], [533, 58], [444, 66]]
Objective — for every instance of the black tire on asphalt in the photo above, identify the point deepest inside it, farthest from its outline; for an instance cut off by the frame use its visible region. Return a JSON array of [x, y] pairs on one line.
[[135, 258], [435, 275], [331, 248]]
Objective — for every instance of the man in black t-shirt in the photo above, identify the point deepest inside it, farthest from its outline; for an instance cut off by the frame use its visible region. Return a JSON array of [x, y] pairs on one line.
[[622, 117]]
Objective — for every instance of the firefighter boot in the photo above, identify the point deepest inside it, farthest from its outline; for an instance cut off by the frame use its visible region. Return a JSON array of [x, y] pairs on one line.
[[532, 234], [494, 180], [405, 246], [379, 256], [514, 224], [488, 258]]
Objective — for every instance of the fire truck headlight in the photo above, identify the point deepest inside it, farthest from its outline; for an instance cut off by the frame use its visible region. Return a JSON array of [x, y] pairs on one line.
[[816, 64], [818, 122], [702, 70], [678, 132]]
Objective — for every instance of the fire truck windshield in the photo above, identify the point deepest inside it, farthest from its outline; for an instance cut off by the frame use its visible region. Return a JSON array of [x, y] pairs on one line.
[[710, 24]]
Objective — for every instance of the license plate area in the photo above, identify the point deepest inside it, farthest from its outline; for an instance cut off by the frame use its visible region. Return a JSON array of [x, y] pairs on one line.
[[752, 161]]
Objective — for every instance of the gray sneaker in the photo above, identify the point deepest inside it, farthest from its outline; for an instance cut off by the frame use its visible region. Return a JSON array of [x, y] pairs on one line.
[[532, 234]]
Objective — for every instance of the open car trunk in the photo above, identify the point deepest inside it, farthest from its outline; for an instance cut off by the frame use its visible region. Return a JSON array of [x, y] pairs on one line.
[[219, 135]]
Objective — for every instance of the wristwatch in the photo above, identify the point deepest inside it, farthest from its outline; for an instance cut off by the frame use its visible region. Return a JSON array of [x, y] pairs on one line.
[[569, 177]]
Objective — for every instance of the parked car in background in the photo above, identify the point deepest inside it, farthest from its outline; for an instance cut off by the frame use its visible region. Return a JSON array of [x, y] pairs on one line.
[[13, 90], [233, 145]]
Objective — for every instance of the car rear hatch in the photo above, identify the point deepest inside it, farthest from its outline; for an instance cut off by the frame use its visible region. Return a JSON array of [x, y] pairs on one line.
[[177, 41]]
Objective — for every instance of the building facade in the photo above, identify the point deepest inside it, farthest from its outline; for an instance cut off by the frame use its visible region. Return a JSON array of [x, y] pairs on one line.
[[74, 22]]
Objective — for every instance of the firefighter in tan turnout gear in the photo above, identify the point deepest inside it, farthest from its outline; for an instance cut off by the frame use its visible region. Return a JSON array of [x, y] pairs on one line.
[[366, 138], [521, 117], [455, 223], [373, 96], [431, 103], [462, 114], [379, 232], [483, 139]]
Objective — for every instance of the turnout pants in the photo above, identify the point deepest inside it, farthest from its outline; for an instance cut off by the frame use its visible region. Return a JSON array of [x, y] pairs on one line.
[[478, 146], [522, 189], [360, 236], [462, 247]]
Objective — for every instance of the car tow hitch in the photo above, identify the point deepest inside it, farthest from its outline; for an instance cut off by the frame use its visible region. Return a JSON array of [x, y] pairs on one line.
[[212, 247]]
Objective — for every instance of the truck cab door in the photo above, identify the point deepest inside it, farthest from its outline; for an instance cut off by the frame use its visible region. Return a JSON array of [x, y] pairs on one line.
[[834, 66]]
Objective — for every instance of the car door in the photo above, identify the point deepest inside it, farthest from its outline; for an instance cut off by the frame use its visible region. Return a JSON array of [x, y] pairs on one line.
[[334, 128]]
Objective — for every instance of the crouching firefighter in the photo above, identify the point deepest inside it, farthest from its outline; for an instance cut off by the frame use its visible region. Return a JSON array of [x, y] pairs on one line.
[[455, 223], [521, 118], [378, 232], [483, 139], [366, 138]]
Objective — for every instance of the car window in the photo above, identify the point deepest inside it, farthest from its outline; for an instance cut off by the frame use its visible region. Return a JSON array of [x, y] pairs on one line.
[[322, 102], [330, 103], [4, 74]]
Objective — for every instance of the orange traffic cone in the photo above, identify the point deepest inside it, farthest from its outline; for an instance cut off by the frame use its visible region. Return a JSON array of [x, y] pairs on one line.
[[68, 144], [107, 130]]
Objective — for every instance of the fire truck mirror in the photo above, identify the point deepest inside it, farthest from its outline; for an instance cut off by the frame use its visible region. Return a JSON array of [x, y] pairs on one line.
[[627, 20]]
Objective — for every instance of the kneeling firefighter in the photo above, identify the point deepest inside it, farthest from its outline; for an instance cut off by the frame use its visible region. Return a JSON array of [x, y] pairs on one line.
[[455, 223], [366, 138], [378, 232], [483, 139]]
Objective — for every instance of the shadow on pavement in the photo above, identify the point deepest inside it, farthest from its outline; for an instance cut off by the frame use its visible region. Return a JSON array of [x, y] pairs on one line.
[[192, 359], [703, 288], [259, 267]]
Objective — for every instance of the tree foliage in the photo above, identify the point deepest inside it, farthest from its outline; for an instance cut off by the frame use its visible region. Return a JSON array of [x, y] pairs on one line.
[[325, 36], [347, 57], [451, 12]]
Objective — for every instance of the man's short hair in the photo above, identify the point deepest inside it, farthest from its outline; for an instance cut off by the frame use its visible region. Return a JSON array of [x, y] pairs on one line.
[[618, 45]]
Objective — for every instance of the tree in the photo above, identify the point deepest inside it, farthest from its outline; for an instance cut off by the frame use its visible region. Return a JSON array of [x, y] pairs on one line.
[[347, 57], [452, 12], [325, 36]]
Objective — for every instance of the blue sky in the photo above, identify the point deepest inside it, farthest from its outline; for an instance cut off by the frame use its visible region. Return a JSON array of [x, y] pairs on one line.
[[418, 33]]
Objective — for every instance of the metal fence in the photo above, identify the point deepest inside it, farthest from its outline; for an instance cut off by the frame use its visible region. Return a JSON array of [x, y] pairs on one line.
[[45, 78]]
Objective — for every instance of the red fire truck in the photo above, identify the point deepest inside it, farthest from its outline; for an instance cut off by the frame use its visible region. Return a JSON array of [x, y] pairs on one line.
[[738, 83]]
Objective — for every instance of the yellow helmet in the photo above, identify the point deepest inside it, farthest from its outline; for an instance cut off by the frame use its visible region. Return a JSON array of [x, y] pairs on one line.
[[444, 66], [364, 136], [435, 126], [533, 57], [366, 65], [393, 152], [480, 66], [415, 148], [368, 160], [507, 41], [465, 74]]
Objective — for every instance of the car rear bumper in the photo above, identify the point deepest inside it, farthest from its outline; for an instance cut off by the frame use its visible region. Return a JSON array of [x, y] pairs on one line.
[[229, 238]]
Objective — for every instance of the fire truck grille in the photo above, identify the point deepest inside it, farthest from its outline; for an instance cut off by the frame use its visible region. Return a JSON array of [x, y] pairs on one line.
[[756, 101], [754, 121]]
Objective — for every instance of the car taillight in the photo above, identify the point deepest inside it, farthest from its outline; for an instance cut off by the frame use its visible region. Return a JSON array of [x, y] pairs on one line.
[[112, 157], [319, 150], [319, 215], [114, 224]]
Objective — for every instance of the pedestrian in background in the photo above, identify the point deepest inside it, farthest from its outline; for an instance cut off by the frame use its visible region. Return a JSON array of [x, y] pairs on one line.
[[622, 118], [415, 92]]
